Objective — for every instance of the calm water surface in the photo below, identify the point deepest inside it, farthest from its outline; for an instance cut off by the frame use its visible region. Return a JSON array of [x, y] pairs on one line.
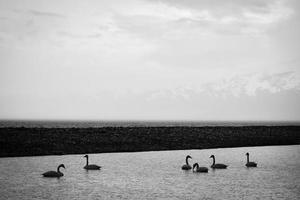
[[156, 175]]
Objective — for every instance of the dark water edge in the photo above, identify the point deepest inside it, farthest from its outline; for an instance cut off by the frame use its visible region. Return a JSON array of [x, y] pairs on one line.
[[135, 123], [24, 141]]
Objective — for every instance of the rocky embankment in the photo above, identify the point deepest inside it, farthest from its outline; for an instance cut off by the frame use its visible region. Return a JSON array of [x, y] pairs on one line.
[[59, 141]]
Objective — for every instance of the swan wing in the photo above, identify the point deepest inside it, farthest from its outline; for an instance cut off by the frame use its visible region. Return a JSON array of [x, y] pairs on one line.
[[52, 174], [219, 166], [186, 167], [202, 169], [92, 167], [251, 164]]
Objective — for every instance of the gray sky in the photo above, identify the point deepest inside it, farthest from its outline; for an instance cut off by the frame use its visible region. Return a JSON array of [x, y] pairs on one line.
[[156, 60]]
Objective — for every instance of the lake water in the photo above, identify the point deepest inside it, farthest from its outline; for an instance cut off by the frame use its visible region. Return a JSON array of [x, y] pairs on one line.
[[156, 175]]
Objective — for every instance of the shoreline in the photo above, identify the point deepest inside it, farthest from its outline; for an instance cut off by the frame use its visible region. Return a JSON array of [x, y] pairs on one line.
[[17, 142], [136, 123]]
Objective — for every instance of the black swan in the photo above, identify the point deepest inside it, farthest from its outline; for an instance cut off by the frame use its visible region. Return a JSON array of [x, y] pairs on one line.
[[90, 167], [200, 169], [187, 166], [250, 164], [218, 165], [54, 173]]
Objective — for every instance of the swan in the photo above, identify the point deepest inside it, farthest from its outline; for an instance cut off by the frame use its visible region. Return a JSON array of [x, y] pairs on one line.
[[218, 165], [187, 166], [90, 167], [250, 164], [200, 169], [54, 173]]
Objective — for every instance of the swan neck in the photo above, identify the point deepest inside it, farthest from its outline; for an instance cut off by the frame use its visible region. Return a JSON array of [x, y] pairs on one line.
[[187, 161], [247, 158], [213, 160], [58, 168], [87, 161], [196, 166]]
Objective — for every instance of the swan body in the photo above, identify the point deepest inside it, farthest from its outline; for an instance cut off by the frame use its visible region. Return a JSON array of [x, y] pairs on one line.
[[90, 167], [250, 164], [187, 166], [218, 165], [200, 169], [55, 173]]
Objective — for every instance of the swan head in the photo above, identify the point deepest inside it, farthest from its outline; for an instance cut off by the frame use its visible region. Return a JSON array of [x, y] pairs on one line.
[[62, 165], [86, 156], [188, 156], [212, 156], [247, 154]]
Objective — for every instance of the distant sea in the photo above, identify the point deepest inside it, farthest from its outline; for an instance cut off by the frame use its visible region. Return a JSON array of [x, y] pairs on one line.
[[98, 124]]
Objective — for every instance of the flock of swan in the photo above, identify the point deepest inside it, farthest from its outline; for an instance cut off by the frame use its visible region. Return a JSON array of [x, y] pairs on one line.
[[187, 166], [58, 173], [215, 165]]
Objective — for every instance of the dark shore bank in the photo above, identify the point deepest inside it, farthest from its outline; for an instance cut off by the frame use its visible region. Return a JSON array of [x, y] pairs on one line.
[[58, 141]]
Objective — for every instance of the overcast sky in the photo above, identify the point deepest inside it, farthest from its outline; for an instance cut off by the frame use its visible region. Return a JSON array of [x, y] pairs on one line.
[[150, 59]]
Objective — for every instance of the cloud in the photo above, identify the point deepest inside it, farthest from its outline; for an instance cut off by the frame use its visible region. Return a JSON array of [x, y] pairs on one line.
[[240, 86], [220, 9], [251, 84], [76, 35], [167, 54], [46, 14], [229, 17], [282, 81]]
